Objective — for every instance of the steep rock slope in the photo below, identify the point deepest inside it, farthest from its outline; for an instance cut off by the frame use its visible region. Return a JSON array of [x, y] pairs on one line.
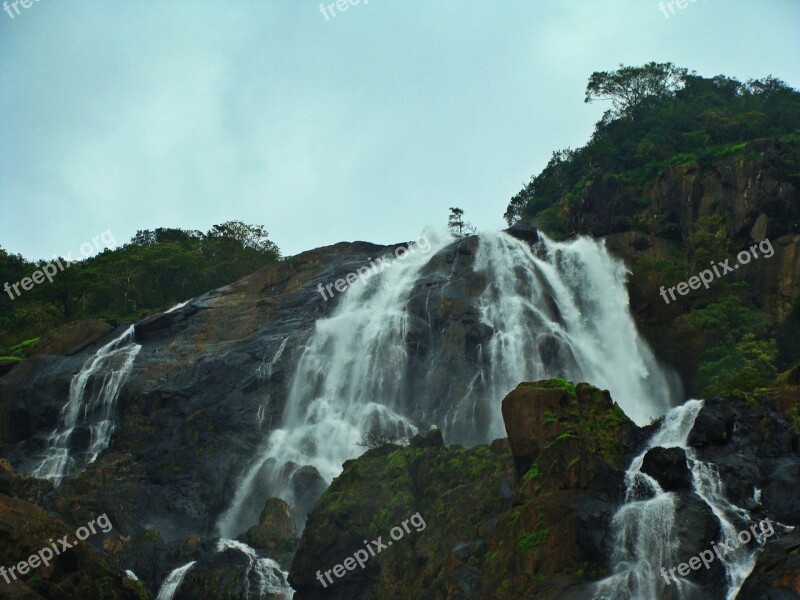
[[536, 522]]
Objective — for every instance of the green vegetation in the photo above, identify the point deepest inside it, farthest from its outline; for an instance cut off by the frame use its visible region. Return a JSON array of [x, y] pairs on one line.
[[554, 384], [154, 270], [665, 120], [532, 473], [725, 339], [662, 116], [457, 225], [533, 539]]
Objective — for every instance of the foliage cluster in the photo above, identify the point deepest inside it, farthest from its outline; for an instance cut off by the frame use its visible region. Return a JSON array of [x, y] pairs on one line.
[[661, 116], [155, 269]]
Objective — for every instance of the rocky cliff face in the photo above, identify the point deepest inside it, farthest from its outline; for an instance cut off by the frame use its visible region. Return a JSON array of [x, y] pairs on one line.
[[756, 197], [753, 194], [532, 516], [210, 384], [207, 386]]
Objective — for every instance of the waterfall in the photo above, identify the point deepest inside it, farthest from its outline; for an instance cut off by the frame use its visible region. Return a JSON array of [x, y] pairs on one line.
[[173, 582], [270, 578], [87, 420], [264, 373], [644, 540], [271, 581], [349, 377], [644, 536], [707, 484], [562, 310], [559, 310]]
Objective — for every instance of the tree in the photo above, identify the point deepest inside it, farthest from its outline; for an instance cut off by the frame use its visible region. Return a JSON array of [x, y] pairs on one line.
[[376, 437], [458, 226], [749, 366], [255, 237], [627, 87]]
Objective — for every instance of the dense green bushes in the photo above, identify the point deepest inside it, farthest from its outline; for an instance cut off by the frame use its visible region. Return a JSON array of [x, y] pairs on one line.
[[689, 120], [664, 119], [154, 270]]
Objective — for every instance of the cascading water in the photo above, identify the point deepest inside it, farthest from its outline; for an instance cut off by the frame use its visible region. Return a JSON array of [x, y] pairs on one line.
[[740, 561], [337, 393], [270, 579], [86, 422], [643, 527], [178, 306], [561, 310], [264, 373], [644, 536], [173, 582]]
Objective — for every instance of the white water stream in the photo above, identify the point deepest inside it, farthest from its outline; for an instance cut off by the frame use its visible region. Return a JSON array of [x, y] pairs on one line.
[[644, 526], [87, 420], [173, 582], [559, 312]]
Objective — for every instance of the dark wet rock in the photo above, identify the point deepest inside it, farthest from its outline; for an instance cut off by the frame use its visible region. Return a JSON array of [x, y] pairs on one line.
[[231, 573], [465, 550], [697, 528], [275, 532], [491, 531], [307, 486], [781, 492], [668, 467], [79, 572], [431, 439], [449, 499], [776, 575], [6, 364], [523, 232], [19, 485]]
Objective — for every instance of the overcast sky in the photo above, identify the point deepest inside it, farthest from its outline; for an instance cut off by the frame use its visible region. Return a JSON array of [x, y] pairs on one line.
[[366, 126]]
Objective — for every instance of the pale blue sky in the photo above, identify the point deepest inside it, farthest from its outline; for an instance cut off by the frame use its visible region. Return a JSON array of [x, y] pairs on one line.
[[165, 113]]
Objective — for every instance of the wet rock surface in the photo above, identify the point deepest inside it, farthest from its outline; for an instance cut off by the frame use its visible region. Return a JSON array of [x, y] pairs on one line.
[[668, 467], [567, 450], [209, 384]]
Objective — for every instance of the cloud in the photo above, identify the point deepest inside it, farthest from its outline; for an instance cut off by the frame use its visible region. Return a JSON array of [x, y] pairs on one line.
[[138, 115]]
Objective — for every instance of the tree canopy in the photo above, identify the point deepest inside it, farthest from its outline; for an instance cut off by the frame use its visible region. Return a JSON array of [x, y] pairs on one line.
[[155, 269], [661, 114], [628, 87]]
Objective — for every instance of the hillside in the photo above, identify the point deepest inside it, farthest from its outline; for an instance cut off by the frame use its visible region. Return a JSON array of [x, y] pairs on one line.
[[686, 171]]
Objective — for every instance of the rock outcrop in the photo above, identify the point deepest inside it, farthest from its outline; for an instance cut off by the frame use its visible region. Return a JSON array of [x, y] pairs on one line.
[[531, 517], [78, 572], [525, 517]]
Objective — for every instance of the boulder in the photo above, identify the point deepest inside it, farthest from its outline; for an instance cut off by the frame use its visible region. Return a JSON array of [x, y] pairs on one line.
[[77, 573], [668, 466], [524, 232], [275, 532], [776, 575]]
